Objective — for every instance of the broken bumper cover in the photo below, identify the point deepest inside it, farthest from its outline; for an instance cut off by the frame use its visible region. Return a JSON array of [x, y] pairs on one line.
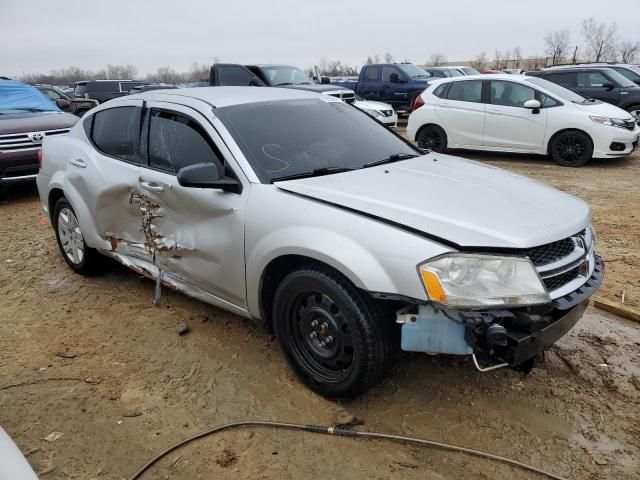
[[505, 336]]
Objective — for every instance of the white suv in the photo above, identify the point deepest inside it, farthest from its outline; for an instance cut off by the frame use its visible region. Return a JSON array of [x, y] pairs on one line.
[[513, 113]]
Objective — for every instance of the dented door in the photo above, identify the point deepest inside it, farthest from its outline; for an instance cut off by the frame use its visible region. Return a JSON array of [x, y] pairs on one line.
[[196, 235]]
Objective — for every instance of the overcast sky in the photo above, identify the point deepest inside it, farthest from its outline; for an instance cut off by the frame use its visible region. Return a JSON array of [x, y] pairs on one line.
[[37, 36]]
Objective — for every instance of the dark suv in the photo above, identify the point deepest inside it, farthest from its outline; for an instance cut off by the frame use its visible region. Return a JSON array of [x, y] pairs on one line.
[[103, 90], [26, 118], [597, 82]]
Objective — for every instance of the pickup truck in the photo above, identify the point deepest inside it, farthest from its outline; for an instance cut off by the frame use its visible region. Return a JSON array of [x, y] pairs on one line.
[[397, 84], [231, 74]]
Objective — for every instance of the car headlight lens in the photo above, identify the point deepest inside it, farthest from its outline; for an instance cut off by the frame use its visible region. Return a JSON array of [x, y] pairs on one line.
[[478, 281], [373, 113], [612, 122]]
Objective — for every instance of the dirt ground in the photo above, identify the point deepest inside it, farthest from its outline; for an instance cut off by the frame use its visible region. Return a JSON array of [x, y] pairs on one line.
[[93, 359]]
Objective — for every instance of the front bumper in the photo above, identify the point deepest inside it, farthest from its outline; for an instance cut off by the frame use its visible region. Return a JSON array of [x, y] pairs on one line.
[[622, 142], [498, 336]]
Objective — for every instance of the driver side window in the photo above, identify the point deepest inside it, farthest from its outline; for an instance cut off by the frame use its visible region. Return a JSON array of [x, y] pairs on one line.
[[388, 71], [176, 141], [592, 79]]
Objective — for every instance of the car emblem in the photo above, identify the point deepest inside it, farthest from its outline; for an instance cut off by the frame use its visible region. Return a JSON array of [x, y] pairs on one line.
[[36, 137]]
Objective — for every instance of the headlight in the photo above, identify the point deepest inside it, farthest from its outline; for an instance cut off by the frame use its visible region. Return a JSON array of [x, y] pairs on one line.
[[476, 281], [612, 122], [373, 113]]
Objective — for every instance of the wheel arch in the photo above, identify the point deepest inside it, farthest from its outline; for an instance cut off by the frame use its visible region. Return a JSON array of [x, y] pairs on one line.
[[564, 130]]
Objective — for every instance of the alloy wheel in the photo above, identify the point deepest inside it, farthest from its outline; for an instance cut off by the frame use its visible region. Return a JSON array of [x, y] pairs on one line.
[[432, 139], [70, 235]]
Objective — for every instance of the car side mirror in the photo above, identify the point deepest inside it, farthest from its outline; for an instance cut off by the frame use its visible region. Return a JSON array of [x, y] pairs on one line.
[[63, 103], [533, 105], [205, 175], [608, 86], [325, 80]]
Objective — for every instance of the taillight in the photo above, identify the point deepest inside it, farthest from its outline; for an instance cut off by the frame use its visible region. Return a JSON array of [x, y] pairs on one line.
[[417, 103], [40, 158]]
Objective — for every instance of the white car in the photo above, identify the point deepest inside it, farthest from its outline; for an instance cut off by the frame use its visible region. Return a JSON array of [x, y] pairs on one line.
[[514, 113], [383, 112]]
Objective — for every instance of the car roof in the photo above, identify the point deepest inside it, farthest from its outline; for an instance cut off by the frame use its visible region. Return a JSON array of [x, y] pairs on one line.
[[227, 96], [495, 76], [548, 71]]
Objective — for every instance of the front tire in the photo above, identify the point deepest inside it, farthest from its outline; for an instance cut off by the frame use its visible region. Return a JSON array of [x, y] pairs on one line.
[[334, 337], [634, 110], [432, 137], [571, 148], [76, 253]]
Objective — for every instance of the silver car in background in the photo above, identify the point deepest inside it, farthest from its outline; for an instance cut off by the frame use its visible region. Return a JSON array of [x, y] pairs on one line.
[[301, 212]]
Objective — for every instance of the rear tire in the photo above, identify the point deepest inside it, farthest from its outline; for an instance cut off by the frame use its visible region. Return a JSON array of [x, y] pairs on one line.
[[333, 336], [80, 257], [432, 137], [572, 148]]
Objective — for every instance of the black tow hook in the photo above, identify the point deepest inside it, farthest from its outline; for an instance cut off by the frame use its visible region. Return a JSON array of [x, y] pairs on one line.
[[496, 336]]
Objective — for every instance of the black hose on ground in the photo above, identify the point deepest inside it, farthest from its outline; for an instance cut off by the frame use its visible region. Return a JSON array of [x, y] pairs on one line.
[[343, 432]]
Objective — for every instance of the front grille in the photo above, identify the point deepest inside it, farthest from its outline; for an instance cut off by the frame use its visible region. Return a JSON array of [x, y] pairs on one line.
[[18, 142], [550, 252], [553, 283], [347, 97]]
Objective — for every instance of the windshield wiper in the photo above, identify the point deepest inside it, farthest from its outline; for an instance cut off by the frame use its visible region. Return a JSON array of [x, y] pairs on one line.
[[396, 157], [318, 172]]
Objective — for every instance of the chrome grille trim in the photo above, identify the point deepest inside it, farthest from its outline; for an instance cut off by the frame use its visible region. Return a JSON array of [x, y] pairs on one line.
[[20, 142]]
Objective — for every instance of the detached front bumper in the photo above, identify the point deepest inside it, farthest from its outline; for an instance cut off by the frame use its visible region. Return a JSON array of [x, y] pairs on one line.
[[498, 336]]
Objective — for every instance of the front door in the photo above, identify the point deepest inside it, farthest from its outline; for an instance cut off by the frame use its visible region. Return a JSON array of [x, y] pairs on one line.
[[197, 235], [394, 86], [507, 123], [595, 84]]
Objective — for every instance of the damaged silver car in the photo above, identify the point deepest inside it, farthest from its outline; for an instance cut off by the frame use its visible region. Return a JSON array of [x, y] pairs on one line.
[[299, 211]]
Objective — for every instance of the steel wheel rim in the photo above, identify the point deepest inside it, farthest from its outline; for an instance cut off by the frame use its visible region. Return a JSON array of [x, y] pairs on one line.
[[431, 139], [313, 319], [71, 239], [570, 149]]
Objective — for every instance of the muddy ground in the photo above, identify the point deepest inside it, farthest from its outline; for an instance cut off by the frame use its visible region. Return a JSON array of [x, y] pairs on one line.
[[93, 359]]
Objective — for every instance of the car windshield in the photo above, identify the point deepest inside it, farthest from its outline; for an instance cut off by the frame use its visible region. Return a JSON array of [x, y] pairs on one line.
[[412, 71], [620, 79], [454, 72], [632, 72], [283, 75], [470, 71], [292, 137], [557, 90]]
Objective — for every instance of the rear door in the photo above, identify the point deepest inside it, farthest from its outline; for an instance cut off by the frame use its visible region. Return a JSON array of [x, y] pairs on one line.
[[596, 84], [369, 82], [507, 123], [107, 175], [199, 235], [462, 113]]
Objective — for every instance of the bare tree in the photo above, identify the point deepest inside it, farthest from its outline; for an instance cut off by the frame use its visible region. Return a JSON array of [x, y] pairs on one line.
[[436, 60], [556, 44], [121, 72], [166, 75], [388, 58], [497, 61], [480, 62], [335, 68], [599, 40], [198, 73], [517, 57], [629, 50]]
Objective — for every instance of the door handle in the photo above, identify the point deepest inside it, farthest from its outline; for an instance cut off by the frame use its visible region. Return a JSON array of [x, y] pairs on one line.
[[152, 186], [78, 162]]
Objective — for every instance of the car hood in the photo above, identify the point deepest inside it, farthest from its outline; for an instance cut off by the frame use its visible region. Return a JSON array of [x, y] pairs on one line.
[[370, 105], [458, 201], [604, 110], [317, 88], [35, 122]]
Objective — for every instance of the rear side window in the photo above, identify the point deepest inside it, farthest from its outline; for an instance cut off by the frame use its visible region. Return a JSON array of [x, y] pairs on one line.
[[591, 79], [371, 74], [176, 141], [116, 132], [80, 90], [510, 94], [466, 91], [234, 76], [441, 91], [565, 79]]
